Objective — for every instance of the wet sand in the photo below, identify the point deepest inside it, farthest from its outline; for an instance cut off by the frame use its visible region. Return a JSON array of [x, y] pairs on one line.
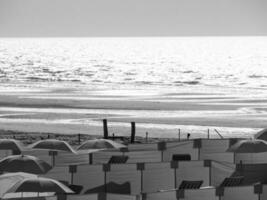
[[160, 113]]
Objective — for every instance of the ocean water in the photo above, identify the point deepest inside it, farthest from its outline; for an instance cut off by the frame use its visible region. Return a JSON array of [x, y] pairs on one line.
[[68, 85], [136, 62]]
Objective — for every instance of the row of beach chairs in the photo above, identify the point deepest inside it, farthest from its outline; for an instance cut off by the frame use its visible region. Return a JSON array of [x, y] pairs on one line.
[[198, 149], [192, 169], [254, 192]]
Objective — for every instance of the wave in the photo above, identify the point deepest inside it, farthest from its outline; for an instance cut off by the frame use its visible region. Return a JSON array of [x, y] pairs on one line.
[[188, 82], [257, 76]]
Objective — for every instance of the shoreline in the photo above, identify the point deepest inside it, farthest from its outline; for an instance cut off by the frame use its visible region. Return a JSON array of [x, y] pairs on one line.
[[72, 139], [74, 110]]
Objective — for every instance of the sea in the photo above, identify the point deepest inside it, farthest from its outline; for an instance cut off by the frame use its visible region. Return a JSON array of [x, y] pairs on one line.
[[167, 83], [136, 62]]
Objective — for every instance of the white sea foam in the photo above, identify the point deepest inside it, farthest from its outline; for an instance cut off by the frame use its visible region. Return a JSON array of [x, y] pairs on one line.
[[138, 113]]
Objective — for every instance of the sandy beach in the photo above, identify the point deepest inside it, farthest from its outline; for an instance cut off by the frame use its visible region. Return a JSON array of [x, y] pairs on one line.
[[73, 110]]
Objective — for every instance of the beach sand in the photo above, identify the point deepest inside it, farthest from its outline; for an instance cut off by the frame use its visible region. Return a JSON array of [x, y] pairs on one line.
[[161, 113]]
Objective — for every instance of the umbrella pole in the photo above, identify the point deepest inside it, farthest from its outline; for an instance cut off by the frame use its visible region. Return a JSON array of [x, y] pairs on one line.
[[53, 155], [234, 157], [71, 181], [53, 159], [105, 178]]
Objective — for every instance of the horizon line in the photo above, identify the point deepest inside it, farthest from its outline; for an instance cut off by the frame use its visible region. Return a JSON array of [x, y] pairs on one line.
[[145, 36]]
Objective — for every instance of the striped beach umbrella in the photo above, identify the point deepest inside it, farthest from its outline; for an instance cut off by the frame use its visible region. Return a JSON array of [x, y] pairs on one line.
[[11, 144], [100, 144], [249, 146], [91, 146], [10, 179], [24, 163], [53, 146], [39, 185]]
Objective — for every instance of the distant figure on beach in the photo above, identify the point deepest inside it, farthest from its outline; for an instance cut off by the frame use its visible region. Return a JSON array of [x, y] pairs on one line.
[[188, 136]]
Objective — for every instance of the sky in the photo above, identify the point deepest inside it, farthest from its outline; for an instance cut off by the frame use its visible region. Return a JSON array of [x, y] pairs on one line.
[[85, 18]]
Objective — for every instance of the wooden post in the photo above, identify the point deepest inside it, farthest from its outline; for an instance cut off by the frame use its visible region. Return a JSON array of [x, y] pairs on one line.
[[90, 158], [146, 137], [132, 132], [179, 134], [208, 133], [105, 128]]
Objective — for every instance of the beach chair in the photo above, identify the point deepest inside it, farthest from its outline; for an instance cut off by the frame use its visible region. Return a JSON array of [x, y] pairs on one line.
[[118, 159], [111, 187], [190, 185], [83, 197], [76, 188], [181, 157], [232, 181], [29, 198]]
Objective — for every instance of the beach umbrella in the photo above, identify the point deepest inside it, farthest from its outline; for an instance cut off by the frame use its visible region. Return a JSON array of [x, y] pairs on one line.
[[261, 134], [10, 179], [11, 144], [39, 185], [17, 175], [53, 146], [249, 146], [24, 163], [97, 145], [100, 144]]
